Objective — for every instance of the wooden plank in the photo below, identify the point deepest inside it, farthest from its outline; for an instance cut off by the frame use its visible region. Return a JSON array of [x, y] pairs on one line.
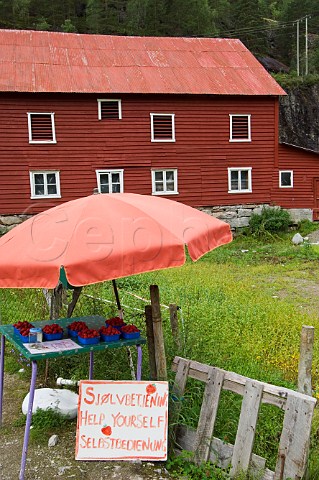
[[178, 389], [150, 342], [208, 414], [181, 377], [234, 382], [295, 436], [221, 452], [305, 359], [160, 357], [246, 428]]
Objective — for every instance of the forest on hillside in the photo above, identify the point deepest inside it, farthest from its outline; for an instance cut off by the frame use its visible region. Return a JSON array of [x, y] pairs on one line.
[[267, 27]]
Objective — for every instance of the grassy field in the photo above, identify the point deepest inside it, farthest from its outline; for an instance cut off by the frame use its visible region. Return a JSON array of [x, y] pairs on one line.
[[241, 308]]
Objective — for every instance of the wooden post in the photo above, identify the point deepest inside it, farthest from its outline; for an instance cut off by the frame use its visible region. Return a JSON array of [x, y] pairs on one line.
[[305, 361], [160, 357], [150, 342], [174, 325]]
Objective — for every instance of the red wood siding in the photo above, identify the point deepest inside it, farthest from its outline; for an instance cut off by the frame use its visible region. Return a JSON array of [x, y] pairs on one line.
[[202, 152], [305, 167]]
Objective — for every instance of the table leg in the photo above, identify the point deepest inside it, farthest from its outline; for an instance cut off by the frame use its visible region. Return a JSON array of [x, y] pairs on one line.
[[139, 363], [28, 422], [3, 340], [91, 366]]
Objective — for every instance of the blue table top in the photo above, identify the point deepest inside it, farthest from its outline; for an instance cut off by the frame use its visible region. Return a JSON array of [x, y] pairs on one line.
[[92, 321]]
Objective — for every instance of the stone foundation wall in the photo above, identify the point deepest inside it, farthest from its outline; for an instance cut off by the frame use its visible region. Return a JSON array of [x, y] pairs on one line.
[[7, 222], [237, 216]]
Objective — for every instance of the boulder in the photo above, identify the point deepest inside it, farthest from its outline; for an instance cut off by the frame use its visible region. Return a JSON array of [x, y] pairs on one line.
[[62, 401], [297, 239]]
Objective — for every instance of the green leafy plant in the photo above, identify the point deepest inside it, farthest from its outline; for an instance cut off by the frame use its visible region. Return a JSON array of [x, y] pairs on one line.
[[44, 424], [270, 221], [182, 466]]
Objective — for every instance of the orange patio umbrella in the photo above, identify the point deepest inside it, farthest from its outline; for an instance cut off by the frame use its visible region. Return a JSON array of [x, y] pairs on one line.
[[104, 237]]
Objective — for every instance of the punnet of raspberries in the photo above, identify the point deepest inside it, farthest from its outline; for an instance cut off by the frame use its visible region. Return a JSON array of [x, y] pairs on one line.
[[89, 333], [78, 326], [21, 325], [53, 328], [109, 331], [25, 331], [114, 321], [129, 329]]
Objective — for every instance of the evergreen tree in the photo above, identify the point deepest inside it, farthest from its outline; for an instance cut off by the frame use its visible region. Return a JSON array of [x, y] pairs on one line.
[[67, 26], [250, 26], [190, 18], [221, 13], [21, 13], [42, 24], [136, 17], [156, 17]]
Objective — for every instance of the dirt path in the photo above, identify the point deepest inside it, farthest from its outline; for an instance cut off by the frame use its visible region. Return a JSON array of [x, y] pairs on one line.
[[46, 463]]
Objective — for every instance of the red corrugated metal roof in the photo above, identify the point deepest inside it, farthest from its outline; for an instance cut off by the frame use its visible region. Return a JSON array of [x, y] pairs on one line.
[[32, 61]]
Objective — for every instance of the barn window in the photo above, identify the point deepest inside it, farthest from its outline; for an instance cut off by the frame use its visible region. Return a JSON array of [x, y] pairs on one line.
[[45, 184], [41, 128], [286, 179], [110, 181], [162, 127], [109, 109], [240, 130], [239, 180], [164, 182]]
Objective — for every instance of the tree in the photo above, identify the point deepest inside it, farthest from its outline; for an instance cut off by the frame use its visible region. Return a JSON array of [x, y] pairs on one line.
[[249, 18], [156, 17], [136, 17], [68, 26], [190, 18], [42, 24], [21, 13]]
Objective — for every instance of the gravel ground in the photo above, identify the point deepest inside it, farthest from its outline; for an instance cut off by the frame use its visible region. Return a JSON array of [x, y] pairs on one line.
[[46, 463]]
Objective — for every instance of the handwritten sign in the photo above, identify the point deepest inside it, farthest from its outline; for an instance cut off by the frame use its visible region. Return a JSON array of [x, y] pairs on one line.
[[122, 420]]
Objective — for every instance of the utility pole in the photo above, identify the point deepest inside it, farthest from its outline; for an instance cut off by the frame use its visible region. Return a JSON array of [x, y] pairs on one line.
[[298, 69], [306, 46]]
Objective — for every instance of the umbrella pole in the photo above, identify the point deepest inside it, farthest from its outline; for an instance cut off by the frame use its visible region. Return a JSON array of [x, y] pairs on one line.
[[118, 303], [117, 298]]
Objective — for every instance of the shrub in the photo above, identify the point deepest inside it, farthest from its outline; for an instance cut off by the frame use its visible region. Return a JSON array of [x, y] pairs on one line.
[[271, 220]]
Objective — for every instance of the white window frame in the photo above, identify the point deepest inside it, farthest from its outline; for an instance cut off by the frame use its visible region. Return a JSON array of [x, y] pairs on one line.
[[46, 195], [172, 115], [109, 172], [292, 178], [165, 191], [52, 126], [231, 139], [99, 102], [240, 169]]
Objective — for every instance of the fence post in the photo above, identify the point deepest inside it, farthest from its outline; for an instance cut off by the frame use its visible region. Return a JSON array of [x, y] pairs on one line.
[[174, 325], [150, 342], [305, 360], [158, 334]]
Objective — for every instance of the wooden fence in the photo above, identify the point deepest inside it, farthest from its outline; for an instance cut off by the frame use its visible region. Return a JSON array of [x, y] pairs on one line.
[[295, 435]]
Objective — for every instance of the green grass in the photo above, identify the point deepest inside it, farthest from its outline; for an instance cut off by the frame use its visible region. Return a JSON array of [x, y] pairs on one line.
[[242, 307]]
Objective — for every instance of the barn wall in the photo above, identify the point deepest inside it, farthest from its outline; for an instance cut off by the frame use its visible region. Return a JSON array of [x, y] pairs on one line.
[[202, 151]]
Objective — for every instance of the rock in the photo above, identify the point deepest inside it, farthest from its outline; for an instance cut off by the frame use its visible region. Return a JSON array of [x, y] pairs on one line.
[[53, 441], [297, 239], [63, 401]]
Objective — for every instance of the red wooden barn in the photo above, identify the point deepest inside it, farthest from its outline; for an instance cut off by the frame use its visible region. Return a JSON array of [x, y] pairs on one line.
[[195, 119]]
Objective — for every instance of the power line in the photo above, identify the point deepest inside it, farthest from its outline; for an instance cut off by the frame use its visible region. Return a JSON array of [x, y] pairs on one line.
[[258, 29]]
